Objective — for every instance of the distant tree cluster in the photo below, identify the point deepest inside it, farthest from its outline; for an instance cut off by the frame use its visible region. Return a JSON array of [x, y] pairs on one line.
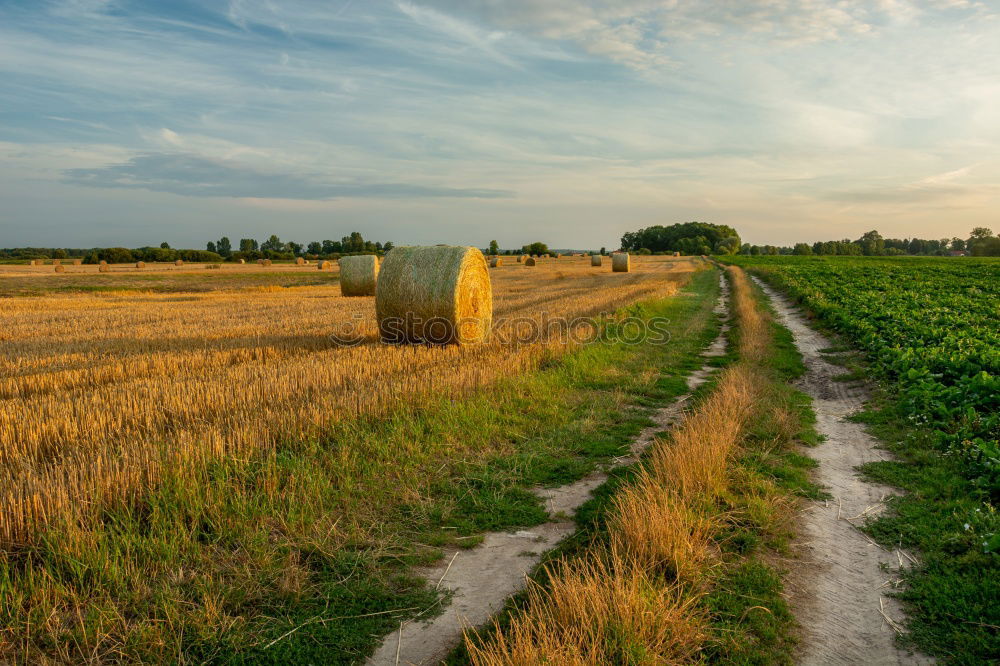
[[214, 252], [686, 238], [982, 242]]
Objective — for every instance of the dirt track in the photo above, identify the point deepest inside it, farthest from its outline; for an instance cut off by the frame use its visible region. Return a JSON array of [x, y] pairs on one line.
[[838, 587]]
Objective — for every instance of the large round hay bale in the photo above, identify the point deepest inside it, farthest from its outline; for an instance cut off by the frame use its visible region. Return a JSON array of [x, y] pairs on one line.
[[496, 261], [521, 258], [530, 261], [243, 261], [324, 265], [179, 262], [677, 254], [596, 260], [299, 261], [440, 295], [620, 262], [359, 275], [140, 265], [60, 268], [103, 267], [266, 263]]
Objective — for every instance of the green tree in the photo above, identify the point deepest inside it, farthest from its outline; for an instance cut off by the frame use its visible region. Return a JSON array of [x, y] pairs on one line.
[[494, 247], [272, 244], [315, 247], [248, 245], [872, 244], [535, 248], [210, 247], [164, 246], [224, 247]]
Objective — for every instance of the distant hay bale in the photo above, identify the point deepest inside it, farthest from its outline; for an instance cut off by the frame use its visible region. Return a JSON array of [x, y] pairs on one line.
[[60, 268], [179, 262], [103, 267], [266, 263], [677, 254], [324, 265], [140, 265], [521, 258], [620, 262], [495, 262], [558, 256], [243, 261], [78, 262], [35, 262], [596, 260], [530, 261], [440, 295], [260, 262], [358, 275], [299, 261], [57, 262]]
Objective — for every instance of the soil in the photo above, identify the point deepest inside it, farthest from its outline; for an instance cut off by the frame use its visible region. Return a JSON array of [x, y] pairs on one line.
[[839, 583]]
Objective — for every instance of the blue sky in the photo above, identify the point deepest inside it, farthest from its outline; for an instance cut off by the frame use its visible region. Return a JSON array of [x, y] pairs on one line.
[[460, 121]]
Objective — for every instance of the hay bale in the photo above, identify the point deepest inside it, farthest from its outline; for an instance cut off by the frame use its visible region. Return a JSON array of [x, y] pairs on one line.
[[78, 262], [530, 261], [359, 275], [179, 262], [324, 265], [299, 261], [558, 256], [677, 254], [596, 260], [266, 263], [496, 261], [103, 267], [620, 262], [60, 268], [140, 265], [440, 295], [243, 261], [57, 262], [521, 258]]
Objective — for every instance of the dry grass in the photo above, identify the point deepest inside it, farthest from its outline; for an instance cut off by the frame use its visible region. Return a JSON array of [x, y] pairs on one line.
[[633, 599], [101, 393]]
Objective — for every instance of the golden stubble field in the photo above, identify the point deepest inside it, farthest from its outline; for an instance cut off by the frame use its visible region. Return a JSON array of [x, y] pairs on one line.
[[109, 380]]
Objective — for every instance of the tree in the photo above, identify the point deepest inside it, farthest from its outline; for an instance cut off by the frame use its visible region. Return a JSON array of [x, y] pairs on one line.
[[685, 237], [535, 248], [273, 244], [802, 249], [604, 251], [294, 248], [388, 246], [224, 247], [494, 247], [59, 254], [981, 242], [248, 245], [730, 245], [210, 247], [872, 244], [315, 248], [164, 246]]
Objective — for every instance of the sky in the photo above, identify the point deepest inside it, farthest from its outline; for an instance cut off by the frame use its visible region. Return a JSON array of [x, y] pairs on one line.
[[132, 122]]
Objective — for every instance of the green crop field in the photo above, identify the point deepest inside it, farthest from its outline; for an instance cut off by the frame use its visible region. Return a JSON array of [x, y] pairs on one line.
[[929, 331]]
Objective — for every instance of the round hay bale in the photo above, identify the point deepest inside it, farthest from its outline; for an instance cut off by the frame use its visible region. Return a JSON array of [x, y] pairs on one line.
[[78, 262], [358, 275], [677, 254], [299, 261], [140, 265], [266, 263], [530, 261], [57, 262], [60, 268], [179, 262], [558, 256], [620, 262], [496, 261], [103, 267], [243, 261], [521, 258], [440, 295], [324, 265], [596, 260]]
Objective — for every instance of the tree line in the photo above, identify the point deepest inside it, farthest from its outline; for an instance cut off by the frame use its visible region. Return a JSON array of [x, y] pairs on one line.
[[982, 242], [214, 252]]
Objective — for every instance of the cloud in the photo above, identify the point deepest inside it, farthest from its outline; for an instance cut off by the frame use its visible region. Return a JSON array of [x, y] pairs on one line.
[[192, 175]]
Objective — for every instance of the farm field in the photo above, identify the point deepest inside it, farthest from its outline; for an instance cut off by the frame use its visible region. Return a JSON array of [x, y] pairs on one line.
[[137, 407], [928, 331]]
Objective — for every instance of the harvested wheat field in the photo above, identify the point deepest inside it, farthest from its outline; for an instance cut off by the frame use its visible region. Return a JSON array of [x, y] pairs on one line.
[[104, 391]]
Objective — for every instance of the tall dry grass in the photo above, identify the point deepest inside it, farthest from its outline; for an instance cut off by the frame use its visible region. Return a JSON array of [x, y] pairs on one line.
[[659, 549], [100, 394]]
